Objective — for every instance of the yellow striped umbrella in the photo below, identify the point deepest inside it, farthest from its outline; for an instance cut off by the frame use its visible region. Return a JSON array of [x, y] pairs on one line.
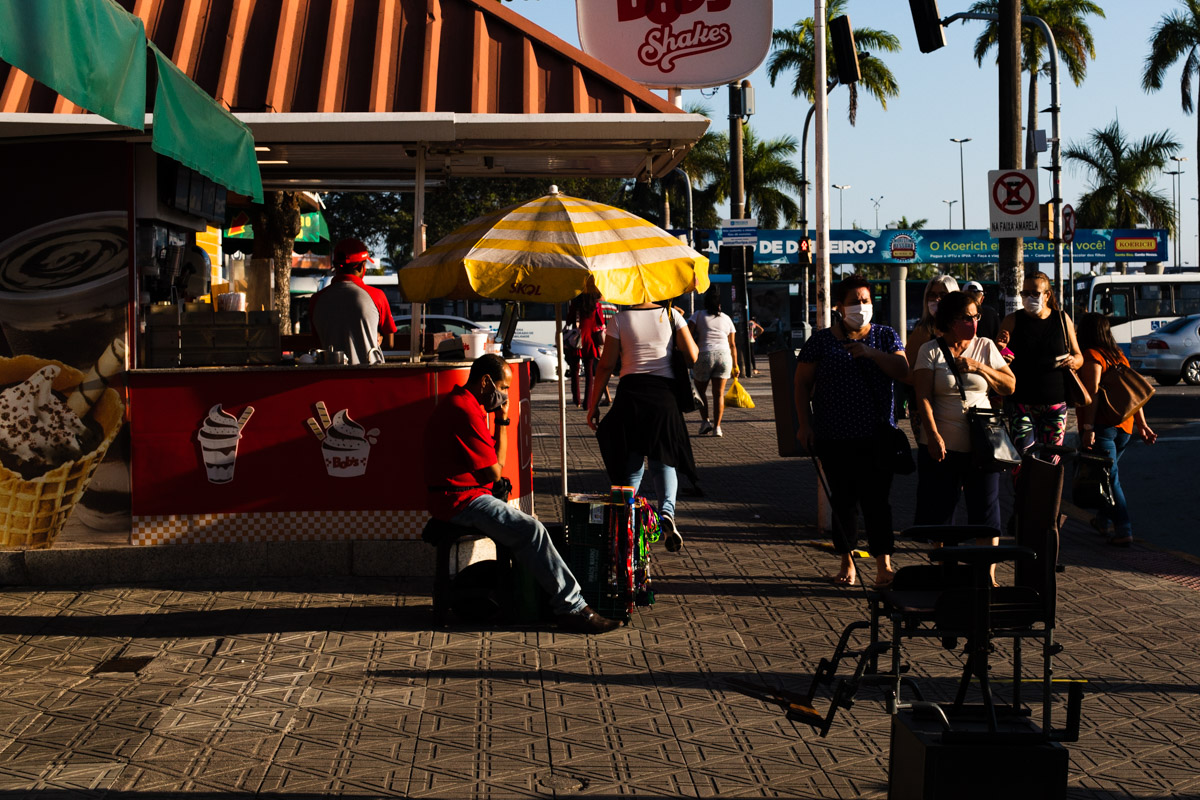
[[551, 249]]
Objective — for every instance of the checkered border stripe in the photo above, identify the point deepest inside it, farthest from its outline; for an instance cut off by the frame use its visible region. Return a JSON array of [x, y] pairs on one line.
[[279, 526], [287, 526]]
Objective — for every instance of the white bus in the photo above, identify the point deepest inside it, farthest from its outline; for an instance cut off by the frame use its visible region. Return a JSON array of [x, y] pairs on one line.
[[1138, 304]]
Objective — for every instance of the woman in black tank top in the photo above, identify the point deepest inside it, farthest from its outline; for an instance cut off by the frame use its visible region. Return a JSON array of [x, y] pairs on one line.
[[1044, 347]]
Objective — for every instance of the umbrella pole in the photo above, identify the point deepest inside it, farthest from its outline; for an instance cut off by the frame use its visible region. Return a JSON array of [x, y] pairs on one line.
[[562, 396]]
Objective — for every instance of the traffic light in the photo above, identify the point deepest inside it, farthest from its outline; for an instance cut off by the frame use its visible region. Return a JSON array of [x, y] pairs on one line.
[[805, 252], [845, 54], [928, 23]]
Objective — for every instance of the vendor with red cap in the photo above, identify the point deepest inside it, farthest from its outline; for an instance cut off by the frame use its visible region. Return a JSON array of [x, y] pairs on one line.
[[348, 315]]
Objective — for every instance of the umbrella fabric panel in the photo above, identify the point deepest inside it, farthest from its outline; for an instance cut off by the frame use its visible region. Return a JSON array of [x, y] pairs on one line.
[[553, 248]]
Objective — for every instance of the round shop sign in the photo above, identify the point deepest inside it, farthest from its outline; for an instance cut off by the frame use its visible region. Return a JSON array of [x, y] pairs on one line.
[[685, 44], [904, 247]]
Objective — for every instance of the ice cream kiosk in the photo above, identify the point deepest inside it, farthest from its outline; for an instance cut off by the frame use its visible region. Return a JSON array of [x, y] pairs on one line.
[[197, 429]]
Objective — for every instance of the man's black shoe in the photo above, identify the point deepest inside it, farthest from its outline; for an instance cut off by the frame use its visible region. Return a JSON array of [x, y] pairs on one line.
[[586, 620]]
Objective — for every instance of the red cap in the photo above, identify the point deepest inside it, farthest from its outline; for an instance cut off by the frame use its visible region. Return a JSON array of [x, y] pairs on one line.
[[349, 252]]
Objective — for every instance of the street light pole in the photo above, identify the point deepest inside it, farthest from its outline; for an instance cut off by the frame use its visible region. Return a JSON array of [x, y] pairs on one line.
[[949, 212], [876, 201], [962, 184], [1174, 173], [841, 187], [1179, 193]]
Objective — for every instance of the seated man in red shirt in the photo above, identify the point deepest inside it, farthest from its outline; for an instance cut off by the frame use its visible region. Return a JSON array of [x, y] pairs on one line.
[[463, 458]]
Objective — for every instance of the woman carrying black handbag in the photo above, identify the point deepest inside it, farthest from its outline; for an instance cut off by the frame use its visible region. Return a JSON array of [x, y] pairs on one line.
[[1100, 354], [946, 466]]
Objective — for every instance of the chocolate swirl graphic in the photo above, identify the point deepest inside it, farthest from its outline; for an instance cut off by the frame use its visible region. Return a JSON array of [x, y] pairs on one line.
[[219, 426], [345, 433], [70, 255]]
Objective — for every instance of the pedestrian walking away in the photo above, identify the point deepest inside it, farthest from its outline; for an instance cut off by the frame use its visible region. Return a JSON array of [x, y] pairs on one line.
[[1100, 353], [846, 419], [585, 316], [945, 471], [462, 460], [644, 429], [717, 363]]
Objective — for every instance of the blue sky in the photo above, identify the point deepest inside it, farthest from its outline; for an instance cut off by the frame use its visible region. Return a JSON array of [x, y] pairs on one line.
[[904, 156]]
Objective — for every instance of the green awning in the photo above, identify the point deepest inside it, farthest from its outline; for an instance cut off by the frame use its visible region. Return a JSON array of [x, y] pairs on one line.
[[313, 228], [191, 128], [92, 53]]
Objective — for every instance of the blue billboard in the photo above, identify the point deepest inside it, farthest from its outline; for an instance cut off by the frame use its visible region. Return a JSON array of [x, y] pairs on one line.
[[948, 246]]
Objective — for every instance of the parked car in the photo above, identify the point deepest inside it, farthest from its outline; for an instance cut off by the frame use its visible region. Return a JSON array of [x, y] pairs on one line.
[[543, 357], [1170, 353]]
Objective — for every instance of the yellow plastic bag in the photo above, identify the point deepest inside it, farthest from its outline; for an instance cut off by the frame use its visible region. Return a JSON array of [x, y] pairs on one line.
[[736, 396]]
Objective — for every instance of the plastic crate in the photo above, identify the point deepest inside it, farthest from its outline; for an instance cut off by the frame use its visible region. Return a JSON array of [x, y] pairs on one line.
[[591, 554]]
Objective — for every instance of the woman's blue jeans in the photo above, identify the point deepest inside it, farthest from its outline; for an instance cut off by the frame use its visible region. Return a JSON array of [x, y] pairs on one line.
[[1112, 443], [666, 482]]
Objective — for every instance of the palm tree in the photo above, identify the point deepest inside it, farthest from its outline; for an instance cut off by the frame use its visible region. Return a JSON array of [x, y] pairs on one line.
[[1176, 36], [1067, 22], [769, 176], [905, 225], [1120, 178], [792, 49]]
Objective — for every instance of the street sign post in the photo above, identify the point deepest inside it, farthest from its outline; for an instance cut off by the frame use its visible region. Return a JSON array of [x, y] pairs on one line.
[[739, 232], [1068, 223], [1013, 203]]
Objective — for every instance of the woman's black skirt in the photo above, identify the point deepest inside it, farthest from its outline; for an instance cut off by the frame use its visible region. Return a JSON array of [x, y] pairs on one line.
[[644, 419]]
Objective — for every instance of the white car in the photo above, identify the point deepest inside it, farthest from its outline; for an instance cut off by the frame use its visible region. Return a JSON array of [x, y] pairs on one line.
[[1170, 353], [543, 357]]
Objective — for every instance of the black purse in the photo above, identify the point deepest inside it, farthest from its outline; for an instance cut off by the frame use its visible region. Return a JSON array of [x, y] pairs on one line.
[[686, 396], [894, 449], [1092, 485], [992, 449]]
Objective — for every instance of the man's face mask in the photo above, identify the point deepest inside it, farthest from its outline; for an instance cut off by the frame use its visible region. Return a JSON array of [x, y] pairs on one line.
[[493, 397]]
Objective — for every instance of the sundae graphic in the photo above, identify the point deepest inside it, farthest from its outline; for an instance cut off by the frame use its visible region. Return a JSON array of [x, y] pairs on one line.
[[345, 444], [52, 437], [218, 437]]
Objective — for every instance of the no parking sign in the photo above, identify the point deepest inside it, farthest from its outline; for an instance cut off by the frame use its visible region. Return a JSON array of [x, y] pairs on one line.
[[1013, 203]]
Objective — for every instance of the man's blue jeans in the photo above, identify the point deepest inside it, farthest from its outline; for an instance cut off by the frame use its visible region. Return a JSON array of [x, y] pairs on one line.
[[530, 544], [1112, 443], [666, 482]]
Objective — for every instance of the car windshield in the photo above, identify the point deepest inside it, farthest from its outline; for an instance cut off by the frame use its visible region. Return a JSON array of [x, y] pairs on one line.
[[1176, 325]]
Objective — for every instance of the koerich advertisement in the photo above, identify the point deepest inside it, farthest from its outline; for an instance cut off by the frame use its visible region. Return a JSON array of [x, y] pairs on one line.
[[948, 246]]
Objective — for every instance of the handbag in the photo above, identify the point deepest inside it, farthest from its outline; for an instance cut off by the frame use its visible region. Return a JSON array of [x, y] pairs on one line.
[[1077, 394], [894, 449], [1122, 394], [571, 338], [686, 396], [1092, 484], [992, 449]]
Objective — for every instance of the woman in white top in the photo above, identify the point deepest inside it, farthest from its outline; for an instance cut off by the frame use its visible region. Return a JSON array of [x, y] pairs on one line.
[[717, 363], [944, 466], [644, 422]]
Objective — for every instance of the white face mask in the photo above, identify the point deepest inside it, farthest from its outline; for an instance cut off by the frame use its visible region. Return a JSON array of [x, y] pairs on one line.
[[1034, 304], [932, 306], [857, 317]]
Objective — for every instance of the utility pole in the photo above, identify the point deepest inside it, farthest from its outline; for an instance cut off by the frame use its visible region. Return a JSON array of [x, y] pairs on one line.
[[740, 258], [1012, 251]]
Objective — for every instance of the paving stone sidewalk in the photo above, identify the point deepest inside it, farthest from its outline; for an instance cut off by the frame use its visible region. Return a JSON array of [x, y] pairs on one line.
[[307, 688]]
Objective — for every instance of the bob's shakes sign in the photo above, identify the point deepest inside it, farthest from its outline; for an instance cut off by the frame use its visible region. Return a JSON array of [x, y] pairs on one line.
[[677, 44]]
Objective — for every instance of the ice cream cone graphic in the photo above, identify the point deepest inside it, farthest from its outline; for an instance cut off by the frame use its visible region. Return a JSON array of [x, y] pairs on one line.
[[345, 445], [48, 452], [218, 436]]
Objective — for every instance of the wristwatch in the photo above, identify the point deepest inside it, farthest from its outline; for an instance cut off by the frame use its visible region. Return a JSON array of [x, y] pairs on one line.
[[504, 422]]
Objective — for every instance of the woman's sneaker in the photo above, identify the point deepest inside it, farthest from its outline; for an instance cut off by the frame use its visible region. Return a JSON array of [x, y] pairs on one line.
[[671, 538], [705, 427], [718, 432]]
